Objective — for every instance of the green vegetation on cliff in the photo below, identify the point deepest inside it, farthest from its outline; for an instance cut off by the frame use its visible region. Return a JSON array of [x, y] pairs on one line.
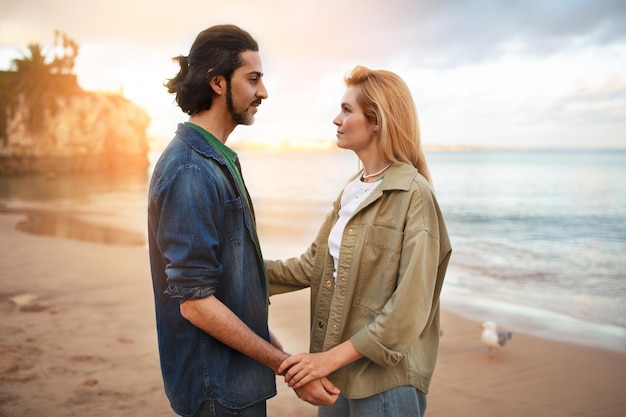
[[48, 124], [36, 80]]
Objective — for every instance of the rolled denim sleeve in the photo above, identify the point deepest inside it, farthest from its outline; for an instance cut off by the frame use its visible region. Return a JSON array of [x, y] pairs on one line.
[[188, 236]]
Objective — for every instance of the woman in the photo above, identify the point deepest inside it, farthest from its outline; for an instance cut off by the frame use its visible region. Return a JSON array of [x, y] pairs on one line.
[[377, 264]]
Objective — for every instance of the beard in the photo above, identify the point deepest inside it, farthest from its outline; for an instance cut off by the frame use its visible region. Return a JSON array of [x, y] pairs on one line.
[[239, 118]]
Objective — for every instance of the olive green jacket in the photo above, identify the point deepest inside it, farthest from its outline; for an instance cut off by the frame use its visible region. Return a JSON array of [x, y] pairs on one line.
[[392, 262]]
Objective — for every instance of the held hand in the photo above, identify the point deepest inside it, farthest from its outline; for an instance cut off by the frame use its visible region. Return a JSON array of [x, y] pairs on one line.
[[303, 368], [318, 392]]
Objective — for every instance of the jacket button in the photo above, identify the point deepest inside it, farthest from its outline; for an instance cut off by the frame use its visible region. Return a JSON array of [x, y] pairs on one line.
[[328, 284]]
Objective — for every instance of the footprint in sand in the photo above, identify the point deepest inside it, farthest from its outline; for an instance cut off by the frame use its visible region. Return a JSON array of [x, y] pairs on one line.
[[91, 382], [16, 363], [86, 359], [91, 396], [125, 340]]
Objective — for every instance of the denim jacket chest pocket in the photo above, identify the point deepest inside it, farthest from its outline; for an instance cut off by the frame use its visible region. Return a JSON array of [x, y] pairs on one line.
[[234, 221]]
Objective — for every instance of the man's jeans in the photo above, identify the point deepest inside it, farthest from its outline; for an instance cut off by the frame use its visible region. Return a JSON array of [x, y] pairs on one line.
[[215, 409], [402, 401]]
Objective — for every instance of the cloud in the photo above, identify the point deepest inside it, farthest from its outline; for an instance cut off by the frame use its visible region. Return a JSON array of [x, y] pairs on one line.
[[428, 33], [452, 32], [601, 101]]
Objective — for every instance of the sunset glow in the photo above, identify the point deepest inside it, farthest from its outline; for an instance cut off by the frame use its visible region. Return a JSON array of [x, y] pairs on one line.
[[482, 74]]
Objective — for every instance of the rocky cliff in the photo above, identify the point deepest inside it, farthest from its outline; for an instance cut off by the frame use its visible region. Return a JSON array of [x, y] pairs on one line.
[[81, 132]]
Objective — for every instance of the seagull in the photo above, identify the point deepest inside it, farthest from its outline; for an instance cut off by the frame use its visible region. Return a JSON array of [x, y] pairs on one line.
[[493, 338]]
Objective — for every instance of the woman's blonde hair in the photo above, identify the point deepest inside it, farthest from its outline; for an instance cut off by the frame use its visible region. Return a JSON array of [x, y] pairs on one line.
[[386, 100]]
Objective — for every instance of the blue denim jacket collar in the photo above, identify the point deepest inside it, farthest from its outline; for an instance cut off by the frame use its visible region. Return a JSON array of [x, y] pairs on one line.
[[198, 143]]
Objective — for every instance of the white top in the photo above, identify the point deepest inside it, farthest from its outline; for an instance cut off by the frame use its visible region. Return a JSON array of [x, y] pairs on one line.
[[353, 195]]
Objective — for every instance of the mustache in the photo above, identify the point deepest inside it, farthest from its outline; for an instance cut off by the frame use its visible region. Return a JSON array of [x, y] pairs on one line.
[[256, 102]]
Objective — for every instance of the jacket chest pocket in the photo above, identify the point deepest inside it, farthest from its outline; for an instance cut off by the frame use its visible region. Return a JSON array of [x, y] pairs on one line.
[[234, 221], [378, 267]]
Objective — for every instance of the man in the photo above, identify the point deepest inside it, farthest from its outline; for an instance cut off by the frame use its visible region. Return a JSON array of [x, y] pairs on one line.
[[209, 281]]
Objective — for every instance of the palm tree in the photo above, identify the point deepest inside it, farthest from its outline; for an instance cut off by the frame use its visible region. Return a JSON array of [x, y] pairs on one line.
[[33, 66], [41, 80], [33, 85], [64, 62]]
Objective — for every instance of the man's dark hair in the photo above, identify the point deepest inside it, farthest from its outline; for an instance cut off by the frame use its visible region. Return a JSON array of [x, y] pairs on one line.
[[216, 51]]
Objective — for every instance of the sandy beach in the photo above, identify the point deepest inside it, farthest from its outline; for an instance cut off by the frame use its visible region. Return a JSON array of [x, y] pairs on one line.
[[77, 338]]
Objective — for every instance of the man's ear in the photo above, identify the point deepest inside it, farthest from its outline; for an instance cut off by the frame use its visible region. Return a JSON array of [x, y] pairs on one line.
[[218, 84]]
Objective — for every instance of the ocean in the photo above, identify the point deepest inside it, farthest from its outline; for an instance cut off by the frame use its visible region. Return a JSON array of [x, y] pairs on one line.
[[539, 237]]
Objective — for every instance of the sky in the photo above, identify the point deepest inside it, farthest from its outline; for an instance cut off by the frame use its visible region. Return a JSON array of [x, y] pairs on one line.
[[483, 73]]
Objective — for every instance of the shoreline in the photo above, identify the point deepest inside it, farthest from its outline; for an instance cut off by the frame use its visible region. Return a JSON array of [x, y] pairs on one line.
[[78, 337], [534, 321], [108, 228]]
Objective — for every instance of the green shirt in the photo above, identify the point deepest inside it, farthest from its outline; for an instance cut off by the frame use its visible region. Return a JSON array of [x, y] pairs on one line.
[[230, 157]]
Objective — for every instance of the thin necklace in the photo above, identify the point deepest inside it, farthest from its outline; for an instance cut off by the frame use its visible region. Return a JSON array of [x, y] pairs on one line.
[[375, 173], [365, 188]]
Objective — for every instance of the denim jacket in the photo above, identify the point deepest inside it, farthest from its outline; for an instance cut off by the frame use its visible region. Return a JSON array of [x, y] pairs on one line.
[[393, 259], [202, 242]]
